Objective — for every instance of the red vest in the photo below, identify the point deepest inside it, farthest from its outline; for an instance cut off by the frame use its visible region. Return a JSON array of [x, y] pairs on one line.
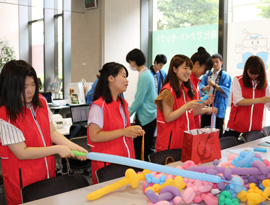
[[170, 135], [31, 170], [195, 81], [246, 118], [122, 146]]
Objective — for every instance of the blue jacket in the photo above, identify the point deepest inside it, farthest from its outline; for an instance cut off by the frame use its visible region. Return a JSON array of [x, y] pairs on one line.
[[90, 94], [159, 80], [221, 100], [145, 96]]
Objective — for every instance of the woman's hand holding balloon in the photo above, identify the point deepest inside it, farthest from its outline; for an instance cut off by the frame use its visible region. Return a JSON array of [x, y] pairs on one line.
[[76, 147], [133, 131], [193, 104]]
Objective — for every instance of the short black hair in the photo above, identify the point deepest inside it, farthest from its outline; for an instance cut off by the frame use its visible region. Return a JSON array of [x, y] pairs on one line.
[[137, 56], [160, 58], [217, 55]]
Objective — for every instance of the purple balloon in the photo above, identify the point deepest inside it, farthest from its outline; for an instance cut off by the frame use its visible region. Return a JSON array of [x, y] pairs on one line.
[[252, 179], [211, 171], [172, 189], [215, 162], [228, 174], [258, 156], [260, 165], [154, 198], [238, 171], [167, 193]]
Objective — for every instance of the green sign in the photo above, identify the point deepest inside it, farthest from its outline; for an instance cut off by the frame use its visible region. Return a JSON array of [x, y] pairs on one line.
[[185, 41]]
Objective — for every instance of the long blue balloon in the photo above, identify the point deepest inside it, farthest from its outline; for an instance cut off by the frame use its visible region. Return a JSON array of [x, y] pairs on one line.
[[152, 166]]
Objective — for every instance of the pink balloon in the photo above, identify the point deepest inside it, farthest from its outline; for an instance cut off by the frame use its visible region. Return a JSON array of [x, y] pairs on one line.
[[232, 156], [188, 195], [226, 164], [188, 163], [210, 199], [177, 200], [163, 203], [205, 188], [266, 162], [197, 199]]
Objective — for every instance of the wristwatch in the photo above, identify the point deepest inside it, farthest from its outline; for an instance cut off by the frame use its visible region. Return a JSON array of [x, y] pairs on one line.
[[214, 86]]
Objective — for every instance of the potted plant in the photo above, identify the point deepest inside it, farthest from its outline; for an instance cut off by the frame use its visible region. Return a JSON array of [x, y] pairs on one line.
[[7, 53]]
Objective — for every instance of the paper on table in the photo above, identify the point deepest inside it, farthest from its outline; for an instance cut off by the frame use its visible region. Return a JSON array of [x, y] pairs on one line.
[[238, 150]]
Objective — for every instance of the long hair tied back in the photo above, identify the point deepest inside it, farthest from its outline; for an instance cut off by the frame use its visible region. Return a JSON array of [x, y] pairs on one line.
[[102, 89]]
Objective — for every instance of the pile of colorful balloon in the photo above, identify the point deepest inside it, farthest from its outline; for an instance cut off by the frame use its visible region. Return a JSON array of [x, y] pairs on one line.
[[245, 177]]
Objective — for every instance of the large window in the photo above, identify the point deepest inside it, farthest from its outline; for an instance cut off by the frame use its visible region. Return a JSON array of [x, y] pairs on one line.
[[46, 43], [247, 33], [58, 28], [59, 46], [36, 30], [180, 27]]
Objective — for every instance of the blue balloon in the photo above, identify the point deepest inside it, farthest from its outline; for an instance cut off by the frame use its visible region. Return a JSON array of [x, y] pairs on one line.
[[204, 98], [247, 158], [152, 166]]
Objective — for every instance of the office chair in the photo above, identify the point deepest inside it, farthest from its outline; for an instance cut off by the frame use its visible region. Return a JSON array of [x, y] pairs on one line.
[[77, 164], [166, 156], [1, 177], [52, 186], [2, 192], [266, 131], [230, 141], [112, 171], [65, 112], [76, 130], [252, 135]]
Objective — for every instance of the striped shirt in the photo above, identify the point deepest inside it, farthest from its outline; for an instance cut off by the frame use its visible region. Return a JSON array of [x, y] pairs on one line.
[[9, 134]]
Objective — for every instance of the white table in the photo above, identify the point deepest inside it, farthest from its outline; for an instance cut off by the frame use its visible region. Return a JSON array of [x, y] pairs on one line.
[[126, 195]]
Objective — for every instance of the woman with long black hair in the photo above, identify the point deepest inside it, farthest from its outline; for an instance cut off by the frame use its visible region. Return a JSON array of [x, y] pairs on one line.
[[109, 129], [27, 131]]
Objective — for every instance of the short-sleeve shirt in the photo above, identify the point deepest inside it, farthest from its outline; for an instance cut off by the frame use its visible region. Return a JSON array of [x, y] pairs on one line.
[[238, 96], [167, 96], [96, 116]]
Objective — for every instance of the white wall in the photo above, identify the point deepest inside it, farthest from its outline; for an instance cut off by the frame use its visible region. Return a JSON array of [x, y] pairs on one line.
[[86, 44], [103, 35], [121, 34], [9, 25]]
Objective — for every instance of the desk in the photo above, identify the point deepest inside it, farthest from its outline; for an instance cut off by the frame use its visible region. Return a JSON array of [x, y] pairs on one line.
[[126, 195]]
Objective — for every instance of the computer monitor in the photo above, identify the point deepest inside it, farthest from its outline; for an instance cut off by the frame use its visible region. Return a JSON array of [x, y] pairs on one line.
[[79, 114], [48, 96]]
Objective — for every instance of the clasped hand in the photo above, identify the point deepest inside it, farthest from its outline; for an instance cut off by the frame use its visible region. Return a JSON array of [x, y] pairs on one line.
[[133, 131]]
